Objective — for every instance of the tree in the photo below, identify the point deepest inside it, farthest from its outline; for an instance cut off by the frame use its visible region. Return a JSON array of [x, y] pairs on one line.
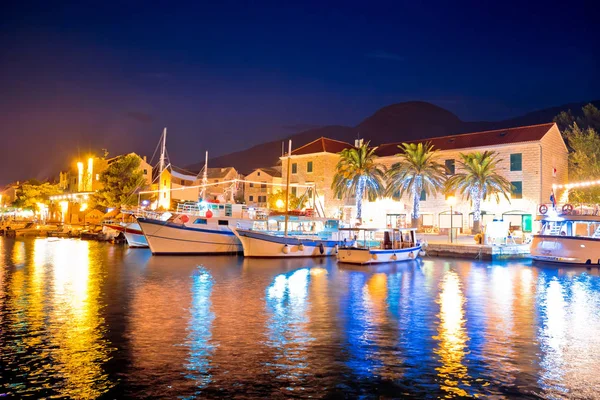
[[417, 171], [478, 181], [121, 180], [589, 118], [294, 202], [357, 173], [584, 163], [32, 192]]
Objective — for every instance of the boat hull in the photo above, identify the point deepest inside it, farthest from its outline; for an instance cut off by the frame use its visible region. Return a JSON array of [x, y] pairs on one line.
[[258, 244], [566, 249], [171, 238], [352, 255], [133, 233]]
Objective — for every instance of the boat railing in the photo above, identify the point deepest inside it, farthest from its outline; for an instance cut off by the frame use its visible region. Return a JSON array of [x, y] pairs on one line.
[[569, 209]]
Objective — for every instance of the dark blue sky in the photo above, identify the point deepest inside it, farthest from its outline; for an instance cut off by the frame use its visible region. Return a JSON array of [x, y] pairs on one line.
[[225, 75]]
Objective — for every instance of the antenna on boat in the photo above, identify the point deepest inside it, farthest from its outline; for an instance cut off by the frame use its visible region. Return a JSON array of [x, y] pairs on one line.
[[287, 188]]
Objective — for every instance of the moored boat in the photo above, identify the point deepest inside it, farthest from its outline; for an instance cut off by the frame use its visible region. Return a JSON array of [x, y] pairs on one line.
[[132, 231], [569, 238], [181, 234], [376, 246], [318, 241]]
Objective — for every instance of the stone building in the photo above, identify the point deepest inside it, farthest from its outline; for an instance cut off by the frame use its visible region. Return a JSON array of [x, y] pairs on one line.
[[533, 158], [260, 183]]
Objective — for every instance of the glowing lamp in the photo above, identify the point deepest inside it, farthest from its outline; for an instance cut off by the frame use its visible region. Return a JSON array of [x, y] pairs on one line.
[[279, 203], [451, 200], [83, 207]]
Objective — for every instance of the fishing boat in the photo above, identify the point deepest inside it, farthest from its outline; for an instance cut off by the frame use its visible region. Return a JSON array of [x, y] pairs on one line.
[[286, 243], [376, 246], [132, 232], [306, 237], [206, 230], [569, 236]]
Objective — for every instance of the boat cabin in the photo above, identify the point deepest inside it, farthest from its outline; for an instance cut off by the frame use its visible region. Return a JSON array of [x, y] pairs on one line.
[[570, 225], [378, 238]]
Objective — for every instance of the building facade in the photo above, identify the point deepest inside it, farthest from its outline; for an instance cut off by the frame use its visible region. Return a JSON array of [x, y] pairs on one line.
[[261, 183], [532, 158]]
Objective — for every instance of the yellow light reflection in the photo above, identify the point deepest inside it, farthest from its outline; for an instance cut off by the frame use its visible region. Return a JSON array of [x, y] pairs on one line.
[[75, 322], [452, 337]]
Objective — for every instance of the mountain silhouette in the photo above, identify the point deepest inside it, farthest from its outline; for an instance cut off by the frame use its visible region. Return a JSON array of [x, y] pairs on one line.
[[398, 122]]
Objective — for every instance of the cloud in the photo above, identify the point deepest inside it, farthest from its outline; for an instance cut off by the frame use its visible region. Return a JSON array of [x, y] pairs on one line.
[[385, 55], [140, 116]]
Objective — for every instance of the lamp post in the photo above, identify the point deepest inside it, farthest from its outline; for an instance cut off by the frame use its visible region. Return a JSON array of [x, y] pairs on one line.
[[451, 200]]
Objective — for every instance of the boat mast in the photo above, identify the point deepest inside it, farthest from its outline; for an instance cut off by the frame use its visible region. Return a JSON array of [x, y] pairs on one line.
[[205, 176], [163, 150], [287, 187]]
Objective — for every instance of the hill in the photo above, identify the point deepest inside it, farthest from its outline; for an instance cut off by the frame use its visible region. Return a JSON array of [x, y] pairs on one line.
[[394, 123]]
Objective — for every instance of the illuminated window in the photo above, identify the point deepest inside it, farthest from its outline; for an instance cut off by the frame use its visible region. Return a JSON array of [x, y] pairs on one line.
[[97, 177], [309, 166], [516, 162], [423, 195], [517, 189], [294, 168], [450, 167]]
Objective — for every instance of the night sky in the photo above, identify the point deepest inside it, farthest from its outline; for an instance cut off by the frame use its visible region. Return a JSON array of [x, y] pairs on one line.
[[225, 75]]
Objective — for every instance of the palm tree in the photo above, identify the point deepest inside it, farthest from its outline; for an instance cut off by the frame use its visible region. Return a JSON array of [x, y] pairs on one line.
[[417, 171], [357, 173], [478, 181]]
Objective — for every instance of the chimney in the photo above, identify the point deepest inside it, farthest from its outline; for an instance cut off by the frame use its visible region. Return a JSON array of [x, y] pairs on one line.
[[358, 142]]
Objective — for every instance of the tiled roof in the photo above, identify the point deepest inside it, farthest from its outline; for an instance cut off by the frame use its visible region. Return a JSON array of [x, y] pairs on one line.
[[321, 145], [218, 173], [273, 171], [476, 139]]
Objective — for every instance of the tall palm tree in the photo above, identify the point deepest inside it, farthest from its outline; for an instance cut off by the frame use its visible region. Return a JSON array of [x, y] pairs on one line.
[[478, 181], [417, 171], [357, 173]]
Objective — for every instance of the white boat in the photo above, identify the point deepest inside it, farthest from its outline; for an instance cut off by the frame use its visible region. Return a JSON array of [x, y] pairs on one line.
[[377, 246], [317, 241], [567, 238], [181, 234], [132, 232]]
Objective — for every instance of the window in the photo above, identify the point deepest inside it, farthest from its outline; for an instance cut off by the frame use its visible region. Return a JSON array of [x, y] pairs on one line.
[[165, 183], [294, 168], [223, 222], [251, 198], [423, 195], [294, 191], [262, 199], [252, 185], [517, 189], [200, 221], [258, 173], [97, 177], [145, 171], [450, 167], [263, 187], [164, 195], [516, 161], [309, 166]]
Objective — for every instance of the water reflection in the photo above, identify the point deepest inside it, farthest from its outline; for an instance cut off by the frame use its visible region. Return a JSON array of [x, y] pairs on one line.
[[452, 337], [200, 326], [55, 343], [286, 303], [85, 320]]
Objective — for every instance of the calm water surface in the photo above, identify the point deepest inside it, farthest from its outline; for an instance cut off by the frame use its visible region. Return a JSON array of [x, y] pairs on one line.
[[87, 320]]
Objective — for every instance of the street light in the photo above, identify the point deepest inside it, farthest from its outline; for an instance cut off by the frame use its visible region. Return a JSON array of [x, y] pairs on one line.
[[451, 200]]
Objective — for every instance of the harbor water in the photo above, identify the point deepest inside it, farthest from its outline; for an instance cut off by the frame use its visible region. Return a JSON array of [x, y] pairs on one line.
[[85, 320]]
